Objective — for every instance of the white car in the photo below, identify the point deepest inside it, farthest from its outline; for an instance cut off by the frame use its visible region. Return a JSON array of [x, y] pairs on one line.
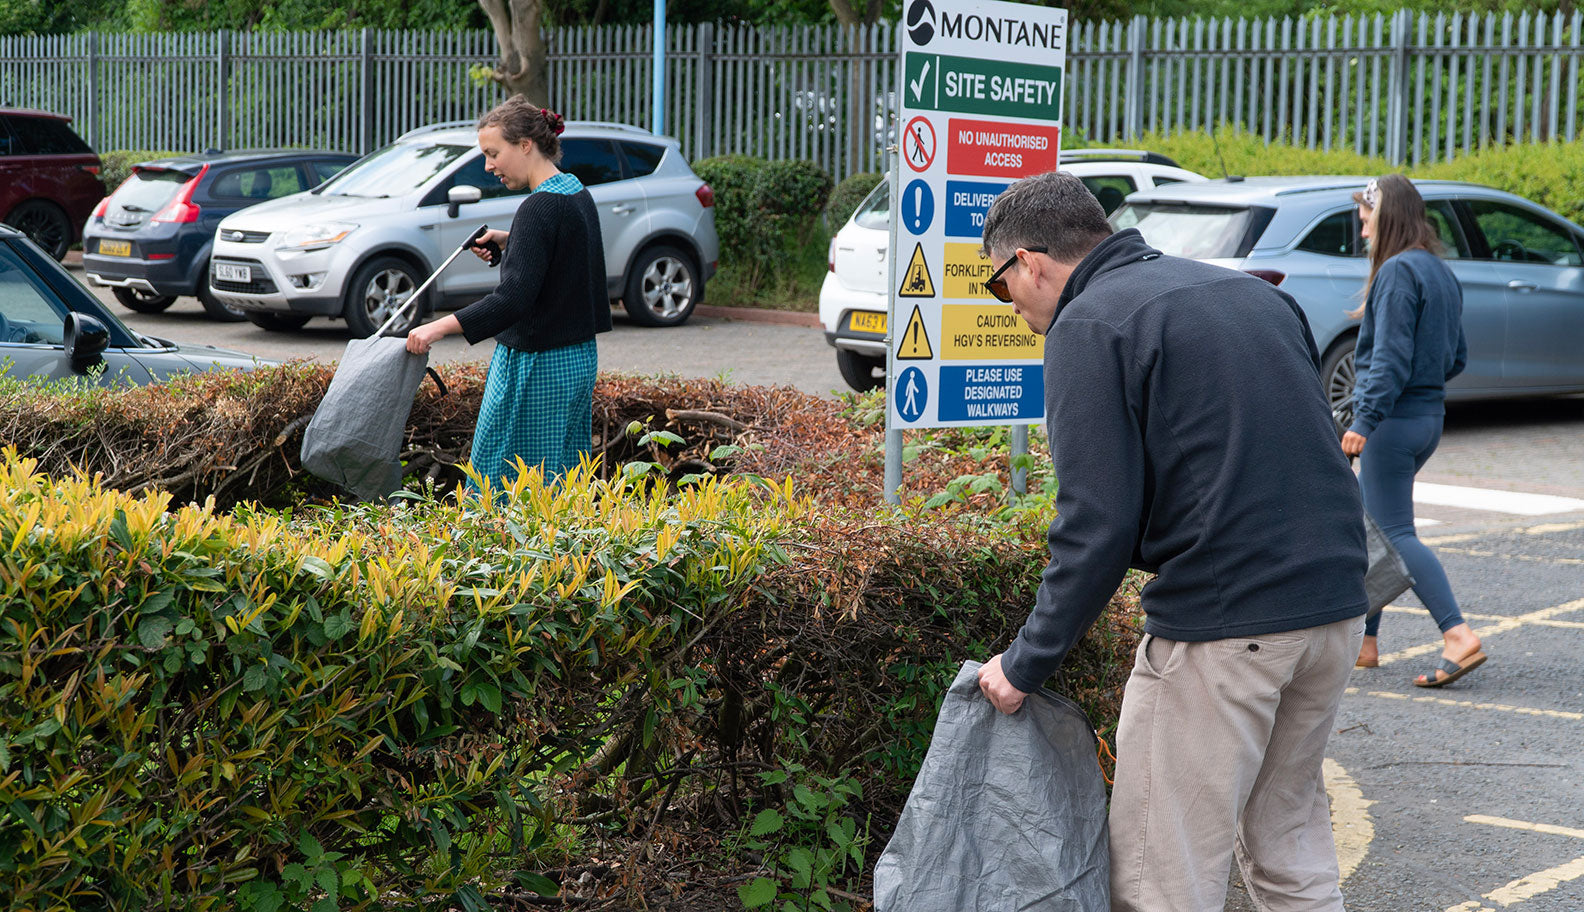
[[853, 300]]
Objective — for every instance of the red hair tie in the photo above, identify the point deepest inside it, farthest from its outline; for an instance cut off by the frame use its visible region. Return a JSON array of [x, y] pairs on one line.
[[554, 120]]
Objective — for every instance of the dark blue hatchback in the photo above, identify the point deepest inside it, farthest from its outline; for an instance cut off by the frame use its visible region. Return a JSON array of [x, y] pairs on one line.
[[150, 240]]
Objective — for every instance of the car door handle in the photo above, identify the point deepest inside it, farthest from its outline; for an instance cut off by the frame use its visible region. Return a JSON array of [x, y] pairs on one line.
[[1518, 285], [623, 209]]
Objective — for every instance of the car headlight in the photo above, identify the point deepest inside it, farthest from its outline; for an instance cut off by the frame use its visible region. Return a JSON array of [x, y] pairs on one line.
[[317, 237]]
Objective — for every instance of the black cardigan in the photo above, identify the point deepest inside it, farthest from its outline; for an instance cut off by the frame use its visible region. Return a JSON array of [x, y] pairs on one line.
[[552, 285]]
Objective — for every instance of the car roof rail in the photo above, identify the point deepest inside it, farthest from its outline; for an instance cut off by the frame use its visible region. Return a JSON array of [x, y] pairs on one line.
[[437, 127], [609, 125], [1138, 155]]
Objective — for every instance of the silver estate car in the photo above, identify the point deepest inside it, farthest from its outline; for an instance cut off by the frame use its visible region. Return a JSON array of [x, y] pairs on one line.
[[358, 245], [1521, 267]]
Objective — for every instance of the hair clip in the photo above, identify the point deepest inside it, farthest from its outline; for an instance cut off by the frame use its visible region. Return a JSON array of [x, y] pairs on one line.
[[1372, 193]]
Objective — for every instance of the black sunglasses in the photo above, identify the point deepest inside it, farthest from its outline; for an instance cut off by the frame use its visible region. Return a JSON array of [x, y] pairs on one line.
[[996, 284]]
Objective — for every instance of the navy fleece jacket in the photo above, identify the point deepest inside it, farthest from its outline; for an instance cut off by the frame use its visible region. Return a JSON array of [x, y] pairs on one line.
[[1190, 438], [1410, 343]]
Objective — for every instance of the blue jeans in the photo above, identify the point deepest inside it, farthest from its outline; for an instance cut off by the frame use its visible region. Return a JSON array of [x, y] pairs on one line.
[[1392, 455]]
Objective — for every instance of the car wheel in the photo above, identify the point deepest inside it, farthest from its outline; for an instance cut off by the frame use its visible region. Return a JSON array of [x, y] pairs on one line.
[[1337, 373], [378, 290], [213, 306], [862, 372], [275, 322], [144, 302], [662, 289], [45, 224]]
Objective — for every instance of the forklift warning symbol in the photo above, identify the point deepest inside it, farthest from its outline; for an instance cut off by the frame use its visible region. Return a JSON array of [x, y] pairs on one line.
[[914, 344], [916, 281]]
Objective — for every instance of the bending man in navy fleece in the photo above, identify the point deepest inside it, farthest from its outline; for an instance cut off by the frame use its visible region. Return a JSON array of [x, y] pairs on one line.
[[538, 404], [1191, 439]]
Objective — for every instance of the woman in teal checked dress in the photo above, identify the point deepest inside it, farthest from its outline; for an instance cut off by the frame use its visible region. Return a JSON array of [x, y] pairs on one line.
[[550, 303]]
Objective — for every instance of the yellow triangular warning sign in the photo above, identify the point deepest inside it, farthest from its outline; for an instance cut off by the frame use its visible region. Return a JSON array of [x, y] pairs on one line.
[[914, 344], [916, 278]]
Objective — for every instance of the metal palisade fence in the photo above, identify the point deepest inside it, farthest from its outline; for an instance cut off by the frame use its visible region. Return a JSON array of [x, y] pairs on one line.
[[1410, 87]]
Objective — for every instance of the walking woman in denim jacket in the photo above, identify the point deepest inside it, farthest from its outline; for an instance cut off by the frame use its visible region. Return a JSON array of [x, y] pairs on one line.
[[1410, 344]]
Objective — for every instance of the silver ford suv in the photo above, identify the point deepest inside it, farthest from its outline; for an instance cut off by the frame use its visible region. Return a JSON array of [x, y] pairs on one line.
[[358, 245]]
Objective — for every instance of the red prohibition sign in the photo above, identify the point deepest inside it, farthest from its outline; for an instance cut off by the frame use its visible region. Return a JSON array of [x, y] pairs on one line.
[[918, 144]]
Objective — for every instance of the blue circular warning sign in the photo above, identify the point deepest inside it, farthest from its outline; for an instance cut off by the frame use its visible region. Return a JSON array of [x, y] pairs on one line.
[[918, 206], [912, 394]]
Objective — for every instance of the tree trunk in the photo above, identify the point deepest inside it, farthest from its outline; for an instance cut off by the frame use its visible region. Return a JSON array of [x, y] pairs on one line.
[[848, 14], [522, 67]]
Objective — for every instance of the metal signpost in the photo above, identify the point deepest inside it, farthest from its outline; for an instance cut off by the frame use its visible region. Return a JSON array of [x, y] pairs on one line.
[[980, 107]]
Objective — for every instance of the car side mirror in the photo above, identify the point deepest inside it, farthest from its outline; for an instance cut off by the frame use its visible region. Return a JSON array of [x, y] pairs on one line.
[[460, 195], [86, 339]]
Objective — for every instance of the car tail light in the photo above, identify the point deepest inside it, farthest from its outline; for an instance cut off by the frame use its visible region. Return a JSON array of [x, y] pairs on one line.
[[181, 210], [99, 210], [1269, 275], [91, 169], [830, 255], [706, 196]]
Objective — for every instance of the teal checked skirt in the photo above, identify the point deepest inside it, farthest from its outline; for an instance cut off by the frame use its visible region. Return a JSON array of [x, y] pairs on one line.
[[538, 407]]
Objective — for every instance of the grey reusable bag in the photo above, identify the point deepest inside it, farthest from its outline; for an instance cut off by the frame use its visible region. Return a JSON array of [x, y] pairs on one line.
[[355, 437], [1388, 576], [1007, 814]]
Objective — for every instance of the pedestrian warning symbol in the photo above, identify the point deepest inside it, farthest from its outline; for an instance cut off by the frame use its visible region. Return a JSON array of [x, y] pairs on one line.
[[916, 282], [915, 343]]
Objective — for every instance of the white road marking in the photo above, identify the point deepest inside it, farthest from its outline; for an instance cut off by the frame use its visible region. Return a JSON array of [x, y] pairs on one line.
[[1495, 501], [1502, 626]]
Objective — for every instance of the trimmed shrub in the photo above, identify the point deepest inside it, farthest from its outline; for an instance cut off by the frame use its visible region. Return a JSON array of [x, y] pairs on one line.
[[765, 213], [1550, 173], [848, 194], [117, 164], [583, 692]]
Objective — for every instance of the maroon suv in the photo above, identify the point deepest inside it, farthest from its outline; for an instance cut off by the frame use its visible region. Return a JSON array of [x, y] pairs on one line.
[[49, 178]]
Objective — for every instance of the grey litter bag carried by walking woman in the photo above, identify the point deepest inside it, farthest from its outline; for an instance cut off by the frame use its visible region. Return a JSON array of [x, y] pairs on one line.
[[355, 437], [1388, 576], [1007, 814]]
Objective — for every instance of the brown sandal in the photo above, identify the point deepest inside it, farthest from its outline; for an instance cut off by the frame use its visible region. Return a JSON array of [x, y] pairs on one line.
[[1452, 670]]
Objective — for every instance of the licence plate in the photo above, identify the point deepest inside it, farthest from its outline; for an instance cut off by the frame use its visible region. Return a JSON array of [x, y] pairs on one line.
[[867, 321], [227, 272], [115, 248]]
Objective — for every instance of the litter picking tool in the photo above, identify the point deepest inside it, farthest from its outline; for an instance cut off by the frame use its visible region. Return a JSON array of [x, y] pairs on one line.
[[471, 242], [355, 436]]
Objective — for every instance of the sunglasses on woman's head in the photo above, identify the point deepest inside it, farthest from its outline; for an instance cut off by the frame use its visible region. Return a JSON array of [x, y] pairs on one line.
[[997, 285]]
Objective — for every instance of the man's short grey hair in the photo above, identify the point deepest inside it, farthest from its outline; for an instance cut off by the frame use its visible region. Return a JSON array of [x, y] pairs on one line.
[[1052, 210]]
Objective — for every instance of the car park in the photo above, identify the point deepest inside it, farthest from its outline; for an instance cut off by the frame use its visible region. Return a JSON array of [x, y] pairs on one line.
[[853, 300], [150, 240], [49, 178], [51, 327], [357, 247], [1521, 267]]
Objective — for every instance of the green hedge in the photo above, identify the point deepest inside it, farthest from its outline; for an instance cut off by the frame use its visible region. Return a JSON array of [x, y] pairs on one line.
[[765, 213], [848, 194], [117, 164], [433, 705], [1551, 173]]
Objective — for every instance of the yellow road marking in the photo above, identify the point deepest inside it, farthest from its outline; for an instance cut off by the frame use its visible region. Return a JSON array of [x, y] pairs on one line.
[[1501, 626], [1534, 884], [1541, 529], [1472, 552], [1351, 827], [1511, 824], [1470, 704]]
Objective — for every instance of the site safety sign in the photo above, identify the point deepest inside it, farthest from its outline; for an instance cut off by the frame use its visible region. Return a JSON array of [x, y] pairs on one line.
[[981, 107]]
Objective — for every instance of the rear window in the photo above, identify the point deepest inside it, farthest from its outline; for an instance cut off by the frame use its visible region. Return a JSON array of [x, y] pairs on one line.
[[642, 158], [1193, 231], [258, 183], [45, 136], [592, 161], [875, 210], [148, 191]]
